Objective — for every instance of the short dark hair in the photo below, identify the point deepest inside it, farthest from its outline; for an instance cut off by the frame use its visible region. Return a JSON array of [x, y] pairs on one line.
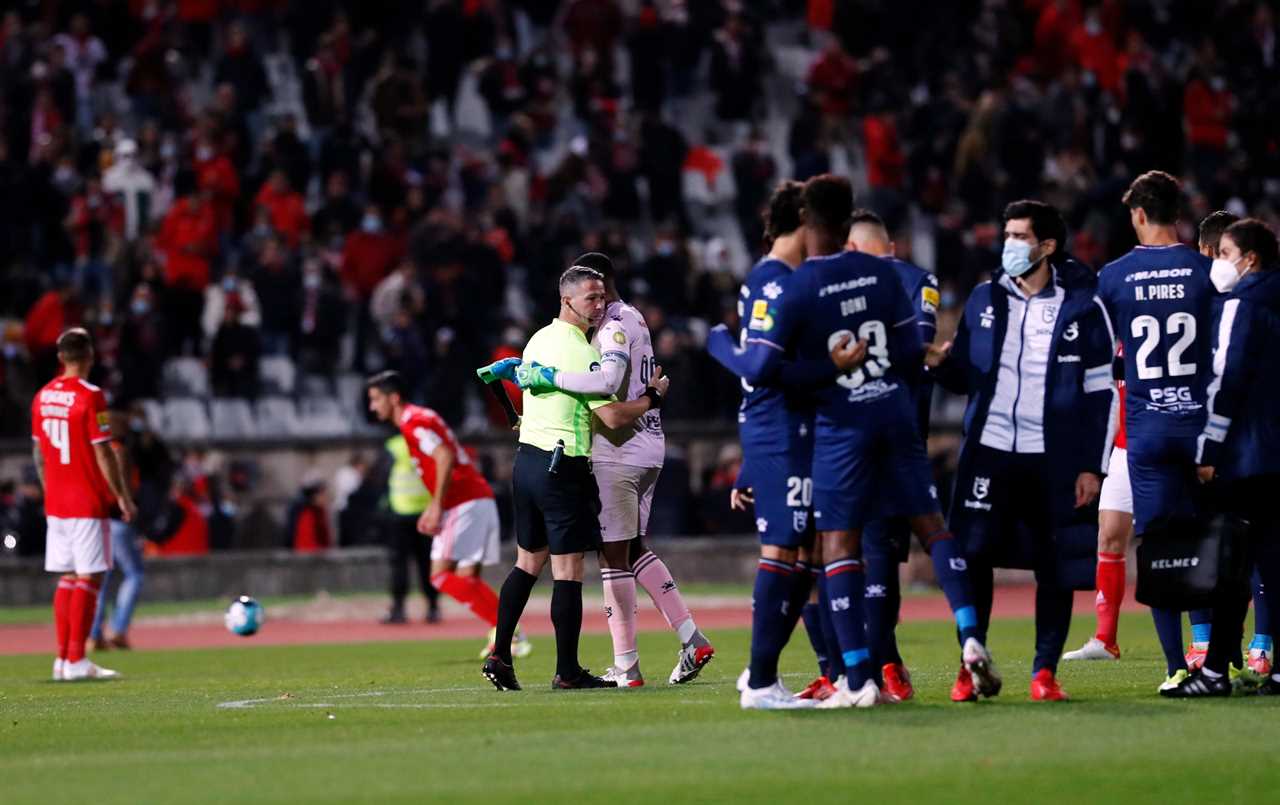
[[782, 216], [576, 274], [600, 262], [1252, 235], [862, 215], [388, 382], [1046, 221], [1212, 227], [75, 345], [828, 203], [1156, 193]]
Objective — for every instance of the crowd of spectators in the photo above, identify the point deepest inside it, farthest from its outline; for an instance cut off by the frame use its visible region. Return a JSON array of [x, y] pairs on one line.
[[396, 184]]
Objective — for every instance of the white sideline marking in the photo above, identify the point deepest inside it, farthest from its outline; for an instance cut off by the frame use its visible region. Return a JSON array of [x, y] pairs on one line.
[[247, 704]]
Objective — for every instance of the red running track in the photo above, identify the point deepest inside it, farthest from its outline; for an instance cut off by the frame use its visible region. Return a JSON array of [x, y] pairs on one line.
[[1011, 602]]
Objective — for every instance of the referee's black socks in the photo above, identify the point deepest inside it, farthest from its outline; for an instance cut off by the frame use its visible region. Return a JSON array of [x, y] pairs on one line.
[[566, 616], [512, 600]]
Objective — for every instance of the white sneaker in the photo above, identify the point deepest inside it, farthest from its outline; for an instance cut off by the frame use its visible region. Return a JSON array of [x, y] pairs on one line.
[[690, 662], [86, 669], [58, 665], [977, 660], [624, 678], [1093, 649], [774, 697], [744, 679], [866, 696]]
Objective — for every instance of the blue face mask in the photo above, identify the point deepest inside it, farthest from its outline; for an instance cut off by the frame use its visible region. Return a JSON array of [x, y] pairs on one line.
[[1016, 259]]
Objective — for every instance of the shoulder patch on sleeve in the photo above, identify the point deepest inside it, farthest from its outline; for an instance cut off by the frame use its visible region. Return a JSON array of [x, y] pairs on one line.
[[930, 299], [619, 337]]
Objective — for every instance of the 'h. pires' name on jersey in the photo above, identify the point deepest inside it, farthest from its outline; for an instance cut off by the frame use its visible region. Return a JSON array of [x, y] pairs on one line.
[[852, 294], [1160, 300]]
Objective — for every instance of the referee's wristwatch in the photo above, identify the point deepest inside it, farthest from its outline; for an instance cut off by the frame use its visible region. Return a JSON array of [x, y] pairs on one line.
[[655, 397]]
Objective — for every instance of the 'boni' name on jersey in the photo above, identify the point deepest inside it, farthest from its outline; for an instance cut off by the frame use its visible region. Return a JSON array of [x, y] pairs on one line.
[[860, 296], [1159, 299]]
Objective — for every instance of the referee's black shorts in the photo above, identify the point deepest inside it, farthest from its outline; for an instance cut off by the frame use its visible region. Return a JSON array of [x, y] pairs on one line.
[[561, 511]]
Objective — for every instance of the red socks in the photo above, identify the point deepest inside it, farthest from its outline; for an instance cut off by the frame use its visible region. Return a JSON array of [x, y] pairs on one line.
[[62, 614], [472, 591], [84, 600], [1110, 581]]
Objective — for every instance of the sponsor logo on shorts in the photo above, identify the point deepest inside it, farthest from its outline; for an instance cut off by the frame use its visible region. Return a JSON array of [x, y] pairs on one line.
[[875, 591], [958, 564], [668, 586], [762, 525], [608, 612], [840, 604], [1175, 564]]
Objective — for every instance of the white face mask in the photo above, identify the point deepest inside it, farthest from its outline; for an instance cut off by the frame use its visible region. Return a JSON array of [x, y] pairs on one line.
[[1224, 275]]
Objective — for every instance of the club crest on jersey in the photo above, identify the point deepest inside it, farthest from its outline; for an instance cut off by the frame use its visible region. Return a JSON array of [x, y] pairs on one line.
[[1072, 332], [987, 317], [799, 520], [981, 486], [1050, 314], [771, 290]]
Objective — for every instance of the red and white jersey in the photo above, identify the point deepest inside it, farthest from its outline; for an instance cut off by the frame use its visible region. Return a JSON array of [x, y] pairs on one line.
[[424, 430], [1121, 442], [68, 417]]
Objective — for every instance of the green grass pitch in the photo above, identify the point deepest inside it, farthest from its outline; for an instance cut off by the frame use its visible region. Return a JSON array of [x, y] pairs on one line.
[[404, 722]]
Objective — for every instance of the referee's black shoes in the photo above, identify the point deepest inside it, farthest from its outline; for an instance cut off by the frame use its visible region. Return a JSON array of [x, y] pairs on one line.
[[1199, 686], [583, 681], [502, 676]]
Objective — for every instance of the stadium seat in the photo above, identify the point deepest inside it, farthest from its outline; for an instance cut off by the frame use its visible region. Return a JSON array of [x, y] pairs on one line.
[[186, 377], [323, 416], [276, 417], [186, 418], [278, 374], [232, 418]]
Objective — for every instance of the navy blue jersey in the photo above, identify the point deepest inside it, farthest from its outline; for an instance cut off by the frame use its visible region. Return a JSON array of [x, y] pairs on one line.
[[851, 294], [922, 290], [1160, 300], [766, 413]]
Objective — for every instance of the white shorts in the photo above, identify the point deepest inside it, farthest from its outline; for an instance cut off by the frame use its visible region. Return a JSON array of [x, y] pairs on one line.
[[468, 534], [626, 496], [1117, 495], [79, 545]]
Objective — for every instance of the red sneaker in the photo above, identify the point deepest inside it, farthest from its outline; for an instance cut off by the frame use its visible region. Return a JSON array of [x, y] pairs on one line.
[[963, 690], [1044, 688], [897, 682], [819, 690], [1195, 657]]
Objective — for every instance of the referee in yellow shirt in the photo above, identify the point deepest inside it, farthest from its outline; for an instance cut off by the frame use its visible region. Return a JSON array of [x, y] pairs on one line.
[[557, 502]]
